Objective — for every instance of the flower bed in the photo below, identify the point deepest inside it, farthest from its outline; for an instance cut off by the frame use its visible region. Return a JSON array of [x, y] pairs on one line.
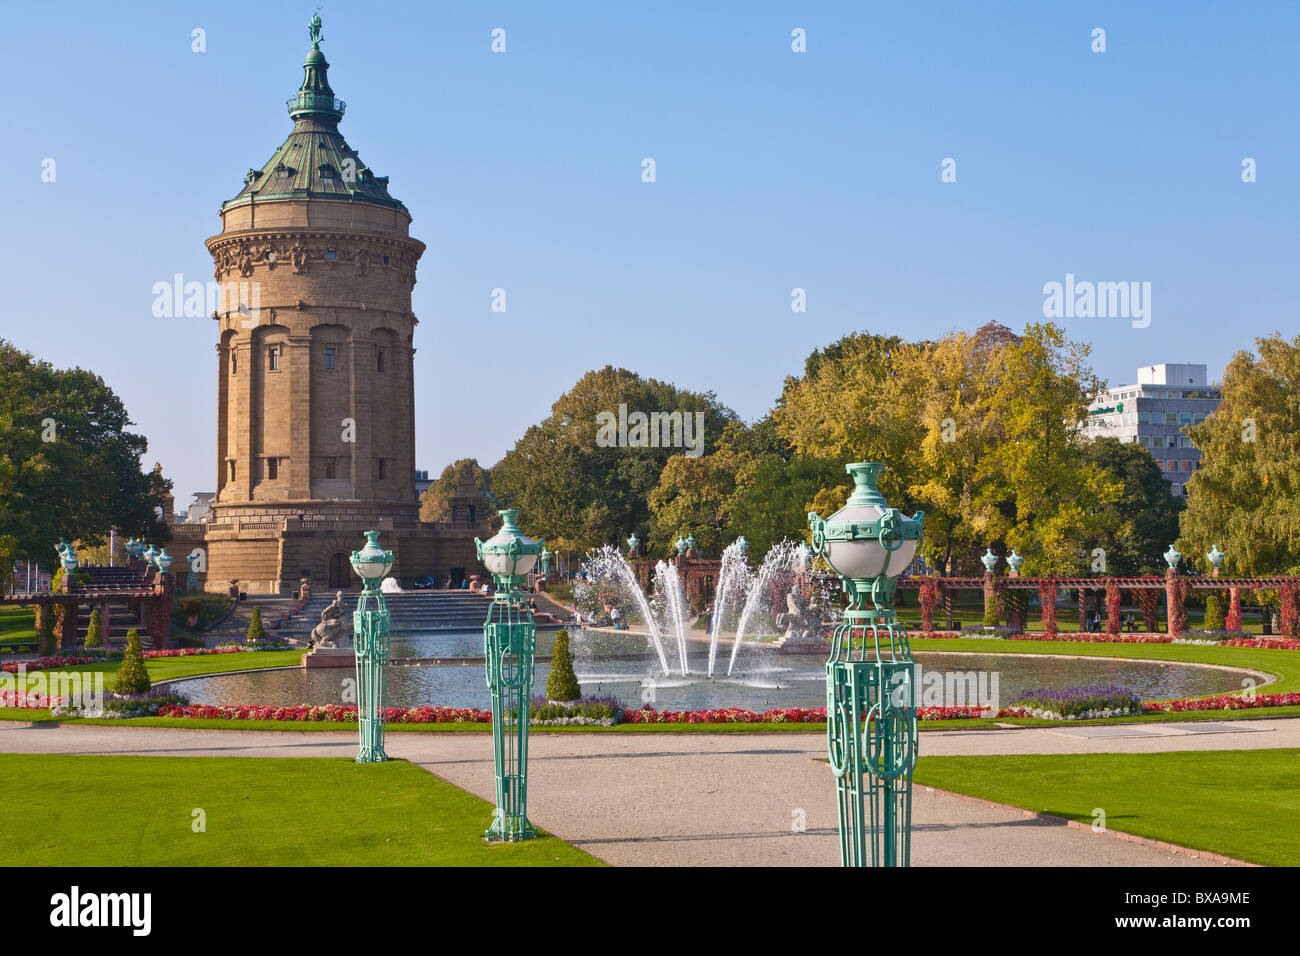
[[1094, 638], [1078, 703], [330, 713], [26, 701], [46, 663], [1269, 643], [1222, 702]]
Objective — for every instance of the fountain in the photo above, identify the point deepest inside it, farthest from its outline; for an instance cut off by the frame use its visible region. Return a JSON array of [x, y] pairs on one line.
[[609, 565], [669, 596], [733, 581], [783, 557]]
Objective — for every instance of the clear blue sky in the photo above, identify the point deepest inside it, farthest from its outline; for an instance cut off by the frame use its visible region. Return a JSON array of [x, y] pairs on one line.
[[775, 170]]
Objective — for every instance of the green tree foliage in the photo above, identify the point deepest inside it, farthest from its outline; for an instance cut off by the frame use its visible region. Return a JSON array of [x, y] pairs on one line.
[[1146, 513], [562, 684], [93, 637], [578, 494], [83, 482], [980, 430], [256, 632], [1245, 497], [466, 473], [132, 676]]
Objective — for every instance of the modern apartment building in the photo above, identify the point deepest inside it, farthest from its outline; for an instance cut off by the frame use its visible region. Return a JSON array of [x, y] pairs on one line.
[[1154, 412]]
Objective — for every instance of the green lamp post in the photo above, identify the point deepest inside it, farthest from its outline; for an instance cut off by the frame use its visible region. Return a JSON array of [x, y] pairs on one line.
[[370, 641], [509, 641], [871, 727]]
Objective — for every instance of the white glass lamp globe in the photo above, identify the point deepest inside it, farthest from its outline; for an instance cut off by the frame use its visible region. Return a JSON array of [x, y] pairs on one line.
[[509, 552], [372, 562], [859, 554]]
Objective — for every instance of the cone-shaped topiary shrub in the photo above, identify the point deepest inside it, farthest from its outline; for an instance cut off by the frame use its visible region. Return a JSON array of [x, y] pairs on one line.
[[132, 678], [563, 682], [92, 630], [255, 630], [1214, 617]]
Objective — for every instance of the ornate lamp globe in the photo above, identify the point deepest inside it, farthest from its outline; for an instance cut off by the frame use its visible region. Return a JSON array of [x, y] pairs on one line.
[[1014, 560], [372, 562], [742, 545], [681, 545], [1215, 557], [164, 560], [867, 541], [633, 542], [690, 543], [1172, 557], [149, 556], [545, 568], [509, 554], [989, 560], [69, 560]]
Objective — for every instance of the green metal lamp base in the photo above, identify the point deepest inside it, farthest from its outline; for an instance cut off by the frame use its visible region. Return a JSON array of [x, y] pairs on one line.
[[371, 756], [505, 829]]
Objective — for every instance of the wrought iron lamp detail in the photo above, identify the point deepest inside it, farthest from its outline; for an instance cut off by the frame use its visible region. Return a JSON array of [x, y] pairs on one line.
[[871, 727], [509, 643], [370, 643]]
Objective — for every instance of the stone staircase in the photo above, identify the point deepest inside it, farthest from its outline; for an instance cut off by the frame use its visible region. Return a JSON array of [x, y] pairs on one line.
[[412, 612]]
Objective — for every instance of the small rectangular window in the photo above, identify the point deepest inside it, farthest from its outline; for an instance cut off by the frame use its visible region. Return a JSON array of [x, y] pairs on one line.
[[1176, 488], [329, 356], [234, 362], [331, 467], [379, 360], [1144, 418], [232, 470], [272, 468], [273, 355], [382, 468]]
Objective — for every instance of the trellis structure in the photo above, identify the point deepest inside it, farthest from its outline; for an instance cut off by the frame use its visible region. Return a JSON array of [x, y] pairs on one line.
[[937, 591]]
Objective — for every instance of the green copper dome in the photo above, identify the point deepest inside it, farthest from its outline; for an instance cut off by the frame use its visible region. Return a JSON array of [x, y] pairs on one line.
[[315, 162]]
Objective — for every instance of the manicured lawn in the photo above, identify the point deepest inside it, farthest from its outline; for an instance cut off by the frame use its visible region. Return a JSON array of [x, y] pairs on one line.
[[17, 624], [139, 811], [1241, 803], [171, 668], [1285, 665]]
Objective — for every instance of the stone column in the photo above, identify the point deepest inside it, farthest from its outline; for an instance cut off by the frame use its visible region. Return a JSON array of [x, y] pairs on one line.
[[298, 361], [1176, 615], [990, 595], [361, 356], [105, 628], [1233, 621]]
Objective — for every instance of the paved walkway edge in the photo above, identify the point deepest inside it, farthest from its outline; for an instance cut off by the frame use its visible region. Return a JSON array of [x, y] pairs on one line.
[[1080, 825]]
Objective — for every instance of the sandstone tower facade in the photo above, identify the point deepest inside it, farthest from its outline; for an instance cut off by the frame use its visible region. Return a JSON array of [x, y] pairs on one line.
[[315, 362]]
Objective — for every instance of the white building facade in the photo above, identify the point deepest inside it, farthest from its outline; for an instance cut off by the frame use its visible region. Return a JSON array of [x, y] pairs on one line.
[[1154, 414]]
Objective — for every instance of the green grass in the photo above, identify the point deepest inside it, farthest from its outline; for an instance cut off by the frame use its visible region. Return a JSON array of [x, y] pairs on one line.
[[1285, 665], [171, 668], [17, 624], [1240, 803], [313, 811]]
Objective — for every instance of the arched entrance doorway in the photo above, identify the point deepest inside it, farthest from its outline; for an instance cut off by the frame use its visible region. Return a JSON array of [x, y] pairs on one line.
[[340, 572]]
